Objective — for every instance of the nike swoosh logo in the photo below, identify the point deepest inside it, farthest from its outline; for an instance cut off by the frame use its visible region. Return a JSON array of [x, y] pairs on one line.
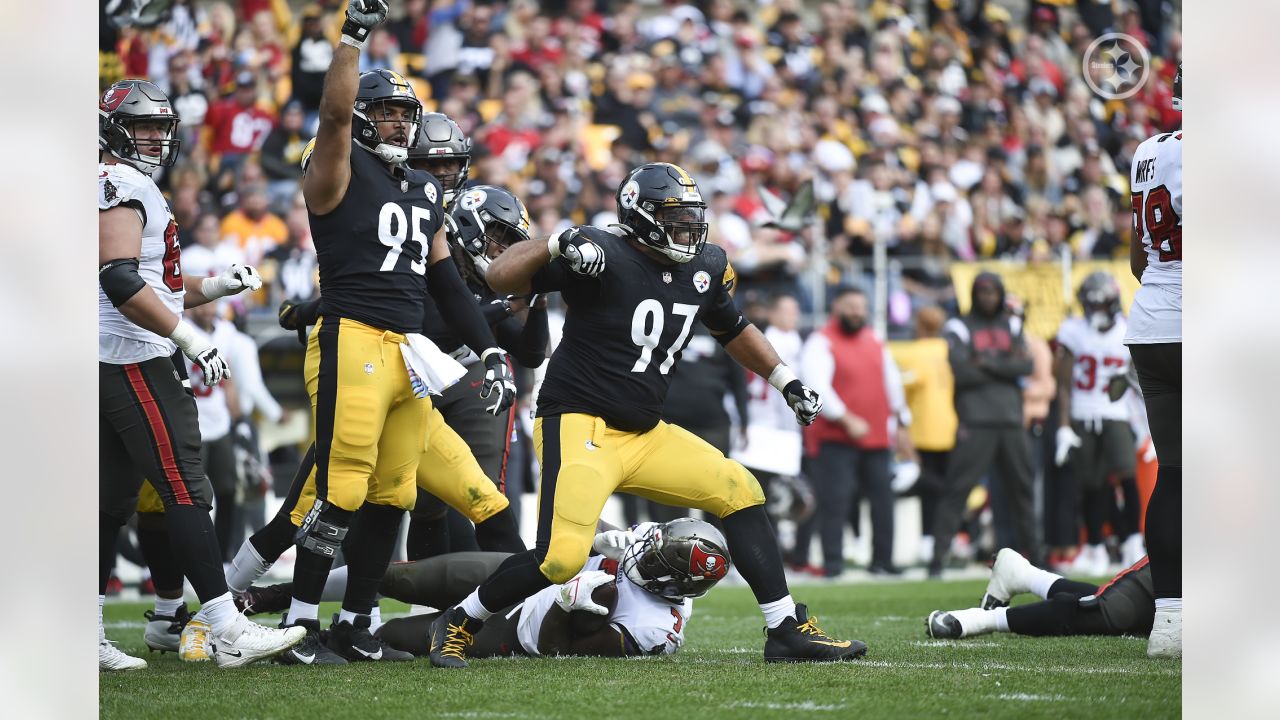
[[305, 659], [371, 656], [592, 446], [231, 653], [832, 643]]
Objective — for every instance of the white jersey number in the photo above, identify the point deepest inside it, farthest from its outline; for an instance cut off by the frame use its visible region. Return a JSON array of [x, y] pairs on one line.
[[394, 230], [646, 332]]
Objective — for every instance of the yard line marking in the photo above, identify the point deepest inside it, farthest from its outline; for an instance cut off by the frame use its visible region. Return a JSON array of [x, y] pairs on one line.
[[1024, 697], [807, 705]]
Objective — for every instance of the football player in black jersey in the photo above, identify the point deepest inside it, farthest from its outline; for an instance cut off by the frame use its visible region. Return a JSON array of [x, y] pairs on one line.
[[378, 229], [633, 296]]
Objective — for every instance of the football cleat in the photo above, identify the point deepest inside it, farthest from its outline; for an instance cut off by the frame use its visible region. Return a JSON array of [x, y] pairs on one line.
[[1166, 635], [799, 639], [247, 641], [194, 643], [269, 599], [312, 650], [942, 625], [112, 658], [1008, 578], [450, 635], [164, 632], [1132, 550], [355, 643]]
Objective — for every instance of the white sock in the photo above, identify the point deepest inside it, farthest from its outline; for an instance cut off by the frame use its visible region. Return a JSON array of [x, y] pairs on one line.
[[1001, 616], [102, 632], [335, 587], [375, 618], [299, 610], [778, 610], [166, 607], [472, 606], [975, 621], [1039, 581], [1169, 604], [345, 615], [221, 612], [246, 568]]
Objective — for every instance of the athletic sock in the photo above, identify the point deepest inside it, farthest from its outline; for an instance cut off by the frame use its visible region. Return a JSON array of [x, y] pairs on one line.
[[472, 606], [299, 610], [1001, 616], [347, 616], [1169, 604], [220, 612], [778, 610], [975, 621], [102, 631], [1039, 581], [375, 619], [246, 567], [167, 607]]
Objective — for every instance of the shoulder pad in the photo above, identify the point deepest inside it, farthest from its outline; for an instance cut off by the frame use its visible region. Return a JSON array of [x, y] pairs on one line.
[[120, 183], [306, 153]]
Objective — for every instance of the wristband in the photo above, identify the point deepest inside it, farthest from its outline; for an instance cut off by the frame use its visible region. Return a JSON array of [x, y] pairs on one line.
[[183, 335], [354, 35], [553, 245], [484, 356], [781, 377]]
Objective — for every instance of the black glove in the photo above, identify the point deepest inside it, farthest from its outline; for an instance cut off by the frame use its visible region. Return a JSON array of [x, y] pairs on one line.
[[498, 385], [804, 402], [583, 256], [297, 316], [362, 16], [496, 310]]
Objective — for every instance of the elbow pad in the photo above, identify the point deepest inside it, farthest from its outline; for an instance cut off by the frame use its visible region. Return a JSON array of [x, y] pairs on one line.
[[120, 280], [735, 331]]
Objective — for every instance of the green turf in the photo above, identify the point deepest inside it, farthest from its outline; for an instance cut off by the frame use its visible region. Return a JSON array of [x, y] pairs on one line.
[[719, 673]]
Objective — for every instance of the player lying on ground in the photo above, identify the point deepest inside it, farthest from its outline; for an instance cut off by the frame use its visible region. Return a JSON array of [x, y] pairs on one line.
[[1123, 606]]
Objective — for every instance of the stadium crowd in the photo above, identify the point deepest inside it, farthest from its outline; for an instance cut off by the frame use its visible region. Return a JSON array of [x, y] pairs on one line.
[[948, 130]]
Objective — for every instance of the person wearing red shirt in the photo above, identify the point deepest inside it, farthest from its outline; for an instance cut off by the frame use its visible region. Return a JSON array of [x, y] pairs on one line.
[[237, 126]]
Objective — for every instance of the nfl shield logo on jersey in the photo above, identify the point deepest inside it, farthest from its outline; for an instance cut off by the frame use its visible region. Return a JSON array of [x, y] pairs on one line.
[[701, 281], [666, 278]]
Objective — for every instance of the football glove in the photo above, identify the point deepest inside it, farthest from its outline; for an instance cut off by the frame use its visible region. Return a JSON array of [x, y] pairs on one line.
[[803, 401], [583, 256], [576, 594], [362, 16], [498, 383], [612, 543], [1066, 440], [297, 316], [192, 344], [233, 280]]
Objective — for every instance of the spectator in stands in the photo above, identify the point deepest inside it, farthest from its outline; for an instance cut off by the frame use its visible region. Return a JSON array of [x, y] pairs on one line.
[[237, 127], [850, 443], [989, 357], [252, 226], [209, 254], [310, 60], [281, 156]]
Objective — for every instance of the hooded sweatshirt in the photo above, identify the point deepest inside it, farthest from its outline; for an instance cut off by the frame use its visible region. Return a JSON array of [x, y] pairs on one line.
[[988, 357]]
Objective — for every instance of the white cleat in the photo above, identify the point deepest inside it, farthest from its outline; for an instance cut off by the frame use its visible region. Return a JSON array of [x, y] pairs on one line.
[[112, 658], [1091, 561], [1166, 635], [1132, 550], [247, 641], [194, 644], [1008, 578]]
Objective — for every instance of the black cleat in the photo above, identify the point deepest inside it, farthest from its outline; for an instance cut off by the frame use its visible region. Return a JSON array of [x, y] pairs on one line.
[[942, 625], [354, 642], [265, 599], [311, 651], [799, 639], [450, 635]]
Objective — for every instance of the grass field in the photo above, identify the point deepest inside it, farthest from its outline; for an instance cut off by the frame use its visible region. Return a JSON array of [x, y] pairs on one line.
[[719, 673]]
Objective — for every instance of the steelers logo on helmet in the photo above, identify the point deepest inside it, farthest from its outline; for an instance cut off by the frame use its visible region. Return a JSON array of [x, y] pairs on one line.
[[629, 195], [701, 281], [473, 199], [659, 203]]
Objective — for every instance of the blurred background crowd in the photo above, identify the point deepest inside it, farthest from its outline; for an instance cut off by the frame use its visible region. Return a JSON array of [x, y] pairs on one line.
[[914, 140]]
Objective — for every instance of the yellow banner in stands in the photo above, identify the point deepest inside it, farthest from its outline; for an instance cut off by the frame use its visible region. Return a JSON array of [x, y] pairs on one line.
[[1040, 287]]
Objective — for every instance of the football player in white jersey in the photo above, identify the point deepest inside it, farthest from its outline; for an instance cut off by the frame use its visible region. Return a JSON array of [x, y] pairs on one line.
[[1155, 342], [147, 420], [1093, 431]]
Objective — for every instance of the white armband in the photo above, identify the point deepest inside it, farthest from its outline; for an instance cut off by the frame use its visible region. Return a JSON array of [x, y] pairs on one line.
[[781, 377]]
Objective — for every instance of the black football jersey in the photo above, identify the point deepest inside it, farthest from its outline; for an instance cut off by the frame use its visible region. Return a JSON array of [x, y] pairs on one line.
[[372, 248], [624, 330]]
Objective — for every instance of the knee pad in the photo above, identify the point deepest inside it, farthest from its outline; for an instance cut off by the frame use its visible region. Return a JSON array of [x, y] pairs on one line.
[[744, 490], [323, 529]]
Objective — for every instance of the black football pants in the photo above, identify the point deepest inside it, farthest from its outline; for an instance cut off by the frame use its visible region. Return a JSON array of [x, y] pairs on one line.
[[1160, 374]]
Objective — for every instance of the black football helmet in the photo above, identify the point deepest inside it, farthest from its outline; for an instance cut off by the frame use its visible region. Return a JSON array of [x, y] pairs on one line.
[[1099, 297], [440, 138], [129, 102], [379, 88], [485, 216], [1177, 89], [680, 559], [660, 205]]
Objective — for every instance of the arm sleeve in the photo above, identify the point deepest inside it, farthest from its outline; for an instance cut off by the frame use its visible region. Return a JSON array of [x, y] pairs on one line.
[[817, 367], [722, 316], [526, 343], [458, 306]]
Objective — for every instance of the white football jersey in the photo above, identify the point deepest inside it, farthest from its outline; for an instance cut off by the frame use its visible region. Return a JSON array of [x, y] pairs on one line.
[[1098, 357], [656, 624], [211, 402], [1156, 187], [765, 406], [119, 340]]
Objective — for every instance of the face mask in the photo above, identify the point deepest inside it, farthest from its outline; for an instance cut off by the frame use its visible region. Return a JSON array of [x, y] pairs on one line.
[[851, 326], [1099, 321]]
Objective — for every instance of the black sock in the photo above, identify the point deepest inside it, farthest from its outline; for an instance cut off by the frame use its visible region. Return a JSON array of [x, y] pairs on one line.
[[153, 542], [108, 531], [518, 577], [499, 533], [1094, 504], [1164, 533], [127, 550], [428, 528], [1055, 616], [274, 538], [194, 542], [222, 519], [1128, 519], [753, 546], [1072, 587], [462, 534], [312, 568], [370, 544]]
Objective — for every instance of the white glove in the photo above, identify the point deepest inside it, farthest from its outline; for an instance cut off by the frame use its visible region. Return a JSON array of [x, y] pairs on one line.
[[1066, 440], [362, 16], [192, 344], [583, 256], [613, 543], [233, 280], [576, 594]]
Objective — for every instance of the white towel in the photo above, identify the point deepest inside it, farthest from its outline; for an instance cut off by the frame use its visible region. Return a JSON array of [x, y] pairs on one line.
[[430, 370]]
